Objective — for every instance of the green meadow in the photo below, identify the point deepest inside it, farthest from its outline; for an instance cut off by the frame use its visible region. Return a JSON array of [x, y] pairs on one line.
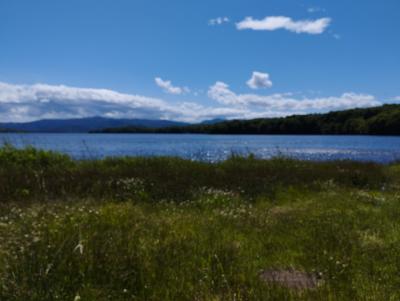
[[174, 229]]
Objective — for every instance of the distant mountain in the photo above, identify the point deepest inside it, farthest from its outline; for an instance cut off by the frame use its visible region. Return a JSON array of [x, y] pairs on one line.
[[84, 125], [213, 121], [383, 120]]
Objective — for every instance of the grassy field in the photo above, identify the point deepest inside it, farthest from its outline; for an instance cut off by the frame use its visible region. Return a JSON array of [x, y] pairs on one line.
[[172, 229]]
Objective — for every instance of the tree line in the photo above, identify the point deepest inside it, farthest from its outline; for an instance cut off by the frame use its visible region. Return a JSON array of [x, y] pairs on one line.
[[383, 120]]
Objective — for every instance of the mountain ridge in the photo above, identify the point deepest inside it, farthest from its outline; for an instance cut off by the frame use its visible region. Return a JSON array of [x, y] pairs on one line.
[[83, 125]]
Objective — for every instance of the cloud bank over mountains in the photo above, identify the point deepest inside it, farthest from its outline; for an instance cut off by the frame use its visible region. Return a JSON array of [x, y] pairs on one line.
[[19, 103], [287, 103], [31, 102]]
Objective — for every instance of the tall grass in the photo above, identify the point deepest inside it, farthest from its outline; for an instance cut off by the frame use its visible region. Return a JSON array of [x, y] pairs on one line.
[[170, 229], [32, 174]]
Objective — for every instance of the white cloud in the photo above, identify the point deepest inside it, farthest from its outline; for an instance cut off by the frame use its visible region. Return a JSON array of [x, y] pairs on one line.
[[20, 103], [167, 87], [218, 21], [287, 103], [28, 102], [259, 80], [271, 23]]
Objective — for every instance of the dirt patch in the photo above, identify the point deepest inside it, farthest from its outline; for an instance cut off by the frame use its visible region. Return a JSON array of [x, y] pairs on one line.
[[292, 279]]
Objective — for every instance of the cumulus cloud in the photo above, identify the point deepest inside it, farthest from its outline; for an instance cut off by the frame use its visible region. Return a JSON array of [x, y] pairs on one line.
[[218, 21], [259, 80], [271, 23], [167, 87], [221, 92]]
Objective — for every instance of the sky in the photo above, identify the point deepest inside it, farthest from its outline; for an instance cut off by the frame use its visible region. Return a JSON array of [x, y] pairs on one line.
[[193, 60]]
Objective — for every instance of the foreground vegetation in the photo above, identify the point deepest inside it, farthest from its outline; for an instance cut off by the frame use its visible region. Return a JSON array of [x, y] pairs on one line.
[[172, 229], [383, 120]]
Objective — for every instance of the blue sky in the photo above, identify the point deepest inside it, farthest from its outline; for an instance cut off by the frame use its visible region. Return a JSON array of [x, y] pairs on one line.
[[194, 60]]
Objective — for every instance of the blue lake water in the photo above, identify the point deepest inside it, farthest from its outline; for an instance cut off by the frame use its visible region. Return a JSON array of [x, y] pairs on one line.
[[214, 147]]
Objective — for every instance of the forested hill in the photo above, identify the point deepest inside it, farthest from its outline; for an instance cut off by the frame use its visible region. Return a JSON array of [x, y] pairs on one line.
[[383, 120]]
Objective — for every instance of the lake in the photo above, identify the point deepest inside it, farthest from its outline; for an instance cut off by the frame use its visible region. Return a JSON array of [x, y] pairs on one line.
[[214, 147]]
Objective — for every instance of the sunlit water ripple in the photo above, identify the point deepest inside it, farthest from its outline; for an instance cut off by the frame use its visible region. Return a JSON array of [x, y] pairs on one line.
[[214, 147]]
